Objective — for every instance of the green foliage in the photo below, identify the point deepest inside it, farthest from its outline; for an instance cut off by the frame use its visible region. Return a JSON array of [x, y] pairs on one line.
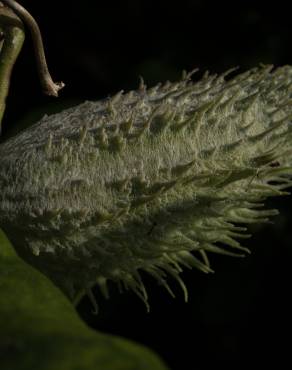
[[39, 328]]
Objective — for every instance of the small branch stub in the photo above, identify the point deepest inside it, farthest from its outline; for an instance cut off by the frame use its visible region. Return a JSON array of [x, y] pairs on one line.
[[48, 85]]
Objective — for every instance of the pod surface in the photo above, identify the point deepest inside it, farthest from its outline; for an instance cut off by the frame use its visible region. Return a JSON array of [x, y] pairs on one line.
[[150, 180]]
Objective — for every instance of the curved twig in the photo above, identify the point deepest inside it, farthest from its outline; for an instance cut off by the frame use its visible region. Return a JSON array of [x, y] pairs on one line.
[[49, 86]]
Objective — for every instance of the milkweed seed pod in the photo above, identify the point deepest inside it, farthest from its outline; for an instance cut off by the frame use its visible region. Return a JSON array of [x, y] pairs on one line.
[[152, 180]]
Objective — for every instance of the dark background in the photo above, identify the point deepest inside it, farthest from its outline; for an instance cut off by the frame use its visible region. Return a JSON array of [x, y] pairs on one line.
[[242, 313]]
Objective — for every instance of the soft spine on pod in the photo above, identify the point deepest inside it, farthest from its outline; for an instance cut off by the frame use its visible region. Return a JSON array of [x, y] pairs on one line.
[[152, 180]]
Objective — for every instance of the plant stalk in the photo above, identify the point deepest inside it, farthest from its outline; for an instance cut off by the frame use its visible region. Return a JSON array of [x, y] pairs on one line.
[[48, 85], [12, 31]]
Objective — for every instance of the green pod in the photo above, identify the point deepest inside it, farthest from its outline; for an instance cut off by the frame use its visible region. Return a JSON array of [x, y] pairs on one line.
[[151, 180]]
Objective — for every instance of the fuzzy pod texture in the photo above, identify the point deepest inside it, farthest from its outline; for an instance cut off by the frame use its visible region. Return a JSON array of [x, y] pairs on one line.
[[152, 180]]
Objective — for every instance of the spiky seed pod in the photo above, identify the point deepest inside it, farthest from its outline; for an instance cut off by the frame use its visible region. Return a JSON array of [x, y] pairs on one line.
[[151, 180]]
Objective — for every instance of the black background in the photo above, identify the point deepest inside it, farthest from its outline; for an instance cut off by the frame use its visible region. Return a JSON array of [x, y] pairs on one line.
[[242, 313]]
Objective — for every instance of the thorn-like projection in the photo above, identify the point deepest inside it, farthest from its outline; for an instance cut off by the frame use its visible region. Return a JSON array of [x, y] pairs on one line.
[[127, 125], [92, 300], [186, 76], [142, 86]]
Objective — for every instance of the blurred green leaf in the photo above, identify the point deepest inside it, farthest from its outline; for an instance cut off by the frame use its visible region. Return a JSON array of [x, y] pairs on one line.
[[40, 329]]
